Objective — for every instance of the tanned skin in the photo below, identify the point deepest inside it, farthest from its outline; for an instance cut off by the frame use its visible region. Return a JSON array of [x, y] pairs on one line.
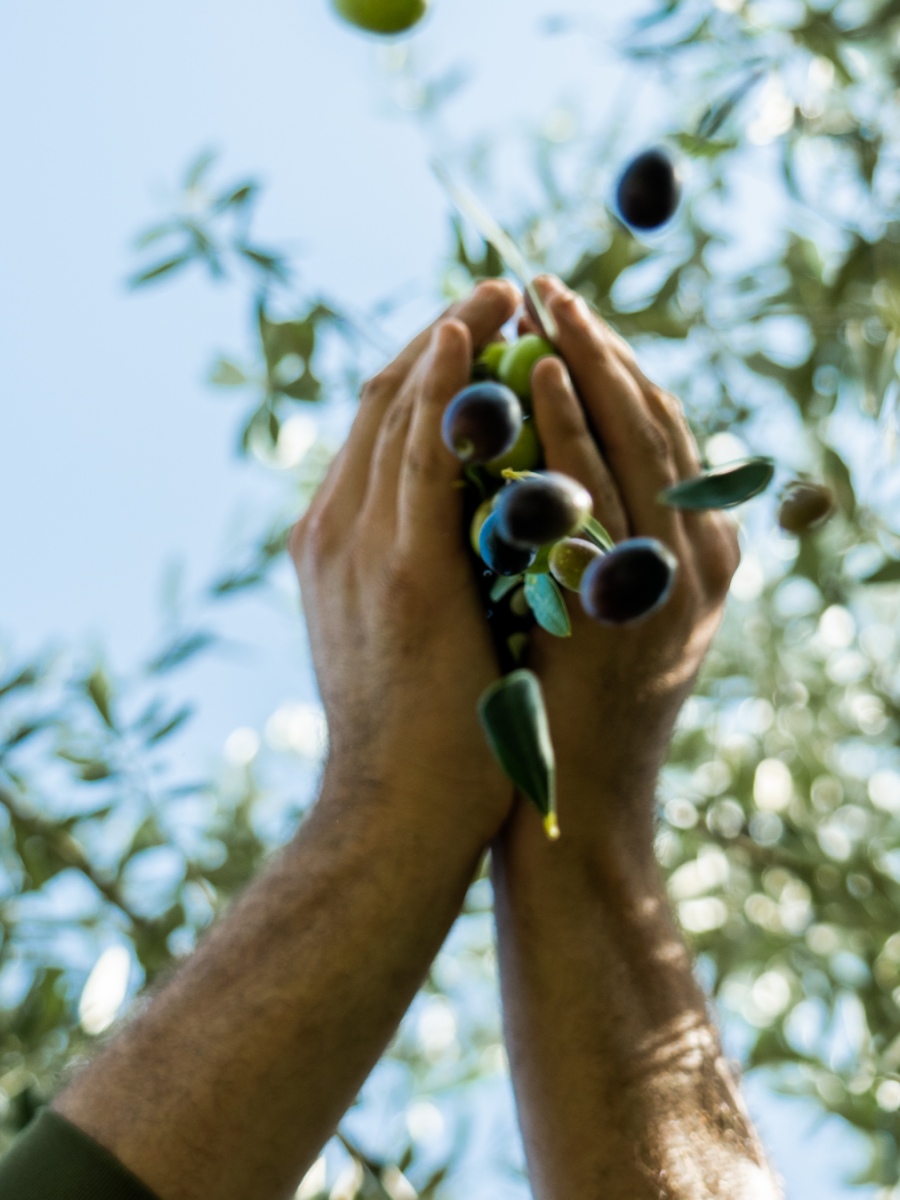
[[233, 1077], [622, 1089]]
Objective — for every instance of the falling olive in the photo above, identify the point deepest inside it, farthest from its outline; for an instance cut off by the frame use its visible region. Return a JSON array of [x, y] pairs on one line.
[[649, 190], [629, 583], [570, 558], [382, 16], [805, 506], [482, 422], [542, 507]]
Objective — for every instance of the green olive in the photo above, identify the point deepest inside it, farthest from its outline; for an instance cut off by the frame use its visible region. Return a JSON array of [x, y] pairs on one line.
[[490, 357], [524, 456], [519, 359], [382, 16], [482, 512], [569, 559]]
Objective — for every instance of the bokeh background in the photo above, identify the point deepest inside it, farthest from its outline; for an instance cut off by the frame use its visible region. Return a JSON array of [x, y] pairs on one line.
[[159, 725]]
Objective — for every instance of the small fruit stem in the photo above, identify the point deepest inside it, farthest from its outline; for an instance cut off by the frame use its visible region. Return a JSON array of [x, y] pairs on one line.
[[551, 827]]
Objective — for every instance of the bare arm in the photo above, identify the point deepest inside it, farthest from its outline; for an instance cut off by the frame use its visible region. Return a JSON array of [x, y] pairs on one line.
[[239, 1070], [620, 1081]]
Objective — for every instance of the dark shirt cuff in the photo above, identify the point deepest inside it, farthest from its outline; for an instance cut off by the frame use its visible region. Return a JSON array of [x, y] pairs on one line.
[[54, 1160]]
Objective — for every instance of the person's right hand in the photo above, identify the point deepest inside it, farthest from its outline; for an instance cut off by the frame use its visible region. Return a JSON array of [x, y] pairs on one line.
[[613, 694], [401, 647]]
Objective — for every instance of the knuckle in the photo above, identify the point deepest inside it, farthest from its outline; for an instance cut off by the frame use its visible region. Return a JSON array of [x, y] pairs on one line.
[[654, 443], [316, 538], [382, 385]]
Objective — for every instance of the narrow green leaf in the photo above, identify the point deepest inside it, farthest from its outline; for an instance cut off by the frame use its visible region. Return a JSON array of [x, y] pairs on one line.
[[170, 726], [548, 604], [304, 387], [503, 585], [163, 268], [184, 648], [198, 168], [888, 573], [93, 772], [226, 374], [597, 533], [514, 720], [723, 487], [98, 688]]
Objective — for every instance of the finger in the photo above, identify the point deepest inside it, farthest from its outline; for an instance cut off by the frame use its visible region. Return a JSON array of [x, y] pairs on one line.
[[429, 504], [634, 443], [570, 447], [489, 307]]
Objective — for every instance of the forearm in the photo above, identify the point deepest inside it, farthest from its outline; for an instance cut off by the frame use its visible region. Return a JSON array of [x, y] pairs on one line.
[[239, 1070], [620, 1081]]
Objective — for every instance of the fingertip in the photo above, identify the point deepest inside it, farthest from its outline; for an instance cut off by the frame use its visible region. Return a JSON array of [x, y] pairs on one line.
[[452, 336], [500, 293], [550, 374]]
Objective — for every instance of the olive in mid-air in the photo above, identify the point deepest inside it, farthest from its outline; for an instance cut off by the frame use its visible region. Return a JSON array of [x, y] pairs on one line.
[[629, 583], [649, 190], [482, 422], [570, 558], [519, 360], [382, 16], [498, 554], [541, 508], [805, 506]]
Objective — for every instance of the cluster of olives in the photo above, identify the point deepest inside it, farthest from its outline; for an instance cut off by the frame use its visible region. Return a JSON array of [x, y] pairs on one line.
[[531, 522]]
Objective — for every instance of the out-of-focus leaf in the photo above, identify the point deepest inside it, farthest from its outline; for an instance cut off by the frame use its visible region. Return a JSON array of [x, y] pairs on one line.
[[181, 651], [837, 473], [226, 374], [238, 197], [99, 689], [169, 727], [889, 573], [598, 534], [199, 168], [304, 387], [598, 272], [93, 772], [163, 268], [547, 603], [723, 487], [25, 678]]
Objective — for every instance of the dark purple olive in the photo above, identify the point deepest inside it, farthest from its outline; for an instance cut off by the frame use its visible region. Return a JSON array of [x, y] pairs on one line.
[[498, 554], [629, 583], [541, 508], [649, 190], [805, 506], [482, 422]]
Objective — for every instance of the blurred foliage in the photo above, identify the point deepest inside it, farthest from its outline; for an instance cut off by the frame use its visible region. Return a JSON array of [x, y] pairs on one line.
[[772, 307]]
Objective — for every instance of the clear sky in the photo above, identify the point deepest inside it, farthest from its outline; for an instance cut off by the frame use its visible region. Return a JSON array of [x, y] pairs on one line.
[[115, 456]]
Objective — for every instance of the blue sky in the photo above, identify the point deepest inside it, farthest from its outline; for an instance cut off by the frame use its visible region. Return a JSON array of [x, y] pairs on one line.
[[116, 457]]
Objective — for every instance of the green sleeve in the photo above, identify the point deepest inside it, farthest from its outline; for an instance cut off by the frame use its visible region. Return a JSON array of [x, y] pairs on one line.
[[53, 1160]]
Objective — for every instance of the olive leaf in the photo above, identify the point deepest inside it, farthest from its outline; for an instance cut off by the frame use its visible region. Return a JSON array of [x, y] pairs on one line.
[[597, 533], [548, 605], [503, 585], [514, 719], [723, 487], [888, 573]]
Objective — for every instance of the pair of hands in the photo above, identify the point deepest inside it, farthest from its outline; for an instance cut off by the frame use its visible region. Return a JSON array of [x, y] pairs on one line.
[[400, 644]]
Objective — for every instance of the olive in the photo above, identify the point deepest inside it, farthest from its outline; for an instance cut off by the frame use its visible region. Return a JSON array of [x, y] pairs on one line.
[[524, 456], [518, 361], [382, 16], [543, 507], [490, 357], [482, 422], [482, 512], [649, 190], [570, 558], [805, 506], [498, 554], [629, 583]]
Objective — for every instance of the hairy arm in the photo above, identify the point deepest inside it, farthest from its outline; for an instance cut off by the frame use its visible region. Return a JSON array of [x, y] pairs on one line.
[[238, 1070], [622, 1088]]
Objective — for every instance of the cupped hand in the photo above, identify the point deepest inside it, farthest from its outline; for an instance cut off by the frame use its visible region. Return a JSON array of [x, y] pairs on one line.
[[613, 693], [400, 644]]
